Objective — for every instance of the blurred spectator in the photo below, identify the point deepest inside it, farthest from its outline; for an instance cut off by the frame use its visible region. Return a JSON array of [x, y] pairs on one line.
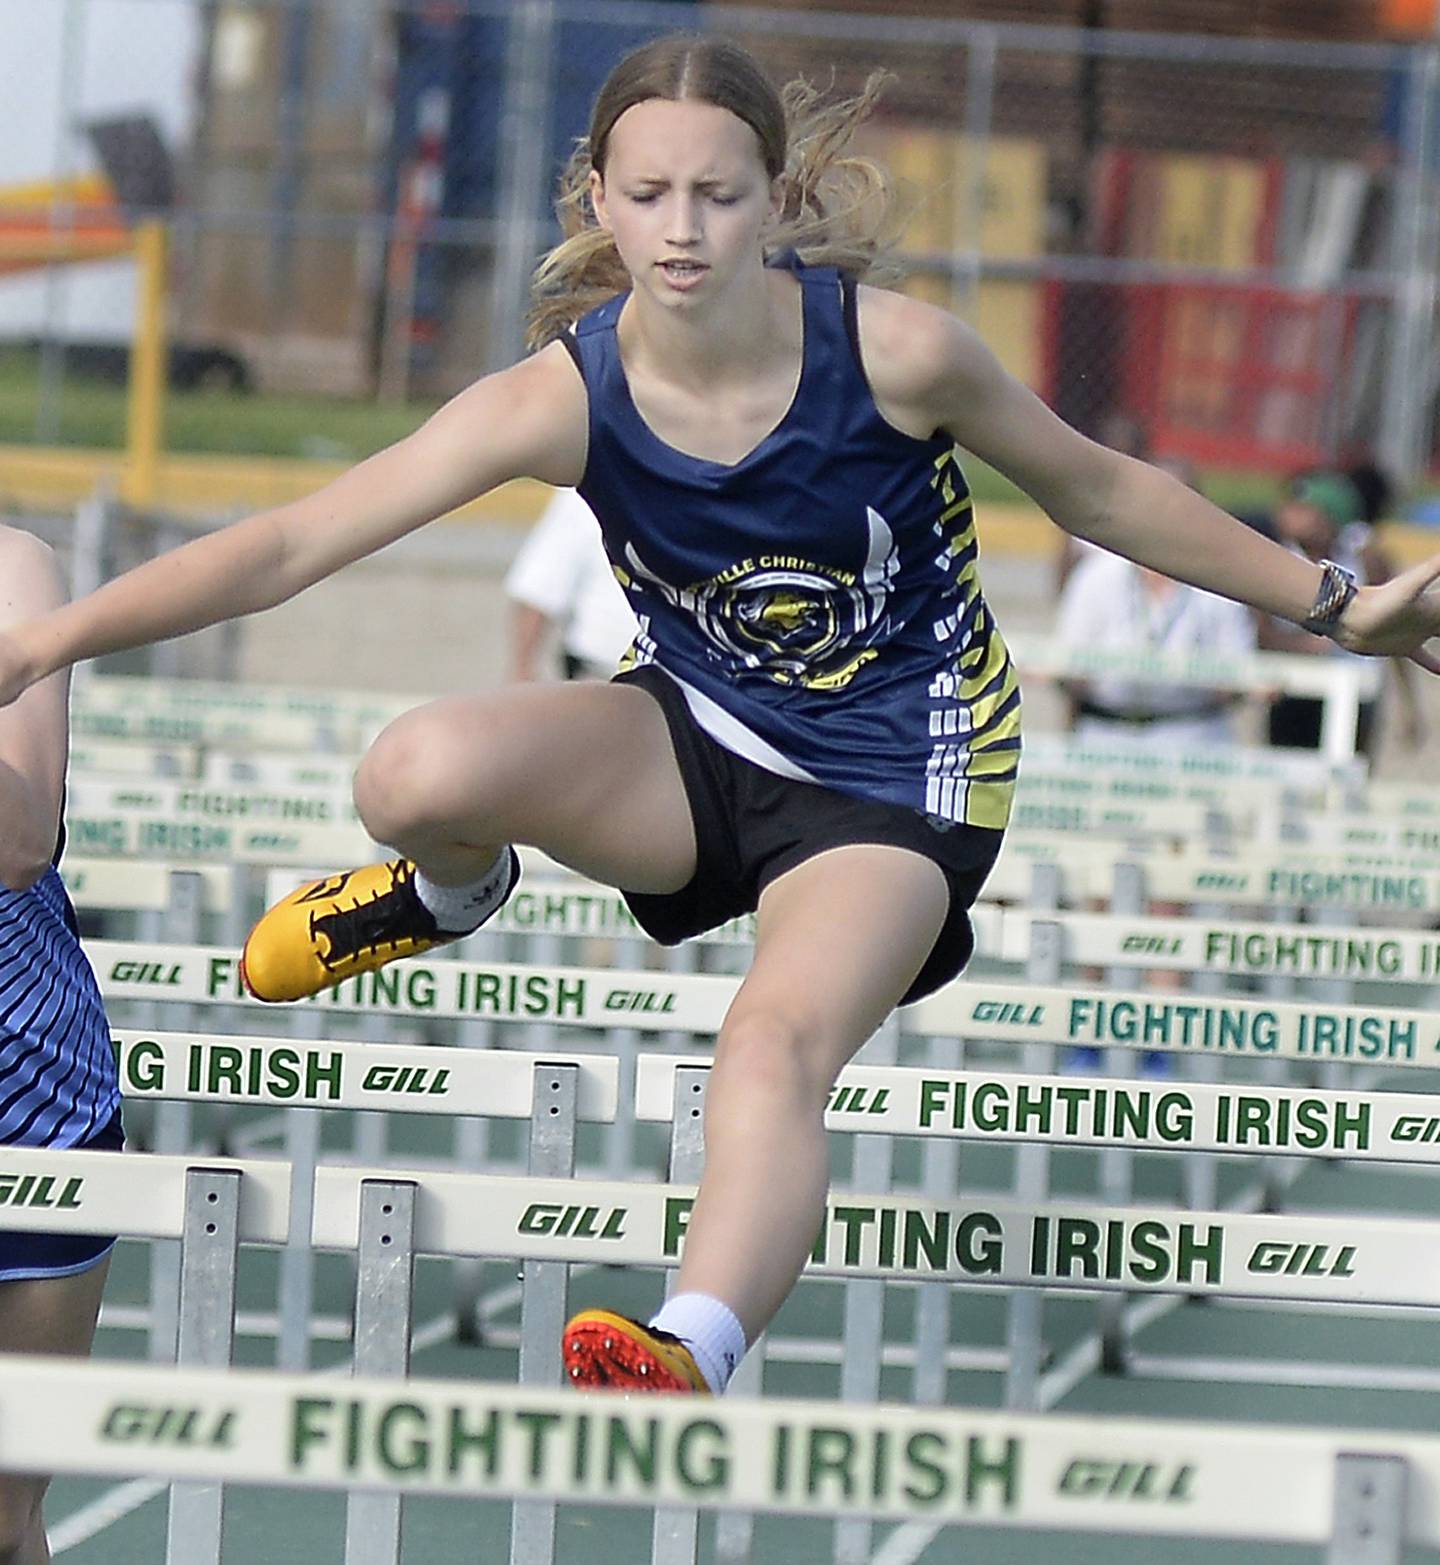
[[1375, 490], [1327, 516], [561, 585], [1112, 604]]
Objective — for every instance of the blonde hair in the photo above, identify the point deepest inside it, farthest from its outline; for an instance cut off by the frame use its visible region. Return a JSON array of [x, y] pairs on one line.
[[837, 211]]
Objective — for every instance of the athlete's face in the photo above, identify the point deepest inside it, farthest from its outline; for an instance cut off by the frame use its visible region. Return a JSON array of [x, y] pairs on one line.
[[686, 197]]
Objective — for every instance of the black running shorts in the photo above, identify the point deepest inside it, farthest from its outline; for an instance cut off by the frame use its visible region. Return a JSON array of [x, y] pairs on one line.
[[751, 826]]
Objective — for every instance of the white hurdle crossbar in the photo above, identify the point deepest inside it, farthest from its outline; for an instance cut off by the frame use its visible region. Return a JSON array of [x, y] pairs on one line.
[[972, 1240], [1242, 1027], [1359, 1494]]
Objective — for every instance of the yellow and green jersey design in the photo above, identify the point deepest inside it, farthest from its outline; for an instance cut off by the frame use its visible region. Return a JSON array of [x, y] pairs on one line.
[[818, 601]]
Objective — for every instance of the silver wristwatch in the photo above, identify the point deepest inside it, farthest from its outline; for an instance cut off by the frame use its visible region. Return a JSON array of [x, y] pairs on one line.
[[1337, 586]]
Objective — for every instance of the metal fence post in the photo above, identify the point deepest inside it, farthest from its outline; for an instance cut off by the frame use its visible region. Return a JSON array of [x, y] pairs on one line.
[[981, 52], [1404, 428], [529, 59]]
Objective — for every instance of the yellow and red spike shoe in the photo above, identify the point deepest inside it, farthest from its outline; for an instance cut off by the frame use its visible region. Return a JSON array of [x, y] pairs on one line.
[[335, 928], [603, 1351]]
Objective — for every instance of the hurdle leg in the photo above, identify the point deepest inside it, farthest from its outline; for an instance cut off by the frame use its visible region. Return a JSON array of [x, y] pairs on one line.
[[206, 1340], [1117, 1164], [676, 1532], [1201, 1170], [1335, 1074], [863, 1335], [1024, 1322], [940, 1162], [179, 924], [1274, 1176], [619, 1156], [384, 1319], [297, 1259], [545, 1286], [1368, 1526], [735, 1530], [472, 1149]]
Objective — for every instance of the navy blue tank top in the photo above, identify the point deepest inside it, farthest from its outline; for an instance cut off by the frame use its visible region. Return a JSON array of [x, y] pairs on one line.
[[58, 1082], [817, 601]]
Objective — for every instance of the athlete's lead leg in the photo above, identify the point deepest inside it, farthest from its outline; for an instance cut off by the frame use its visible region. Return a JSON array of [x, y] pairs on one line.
[[839, 940], [585, 772]]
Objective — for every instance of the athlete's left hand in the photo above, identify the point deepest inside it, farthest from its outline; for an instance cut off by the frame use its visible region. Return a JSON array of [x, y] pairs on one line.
[[1397, 618]]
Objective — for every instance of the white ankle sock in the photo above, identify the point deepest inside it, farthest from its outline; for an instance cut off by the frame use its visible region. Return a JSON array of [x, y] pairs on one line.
[[710, 1329], [461, 909]]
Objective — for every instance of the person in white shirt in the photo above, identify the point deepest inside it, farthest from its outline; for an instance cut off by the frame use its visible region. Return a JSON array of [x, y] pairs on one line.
[[1112, 604], [562, 583]]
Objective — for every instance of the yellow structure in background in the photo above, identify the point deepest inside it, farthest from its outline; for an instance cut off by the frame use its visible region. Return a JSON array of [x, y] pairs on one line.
[[145, 417], [72, 221], [1209, 212], [980, 202]]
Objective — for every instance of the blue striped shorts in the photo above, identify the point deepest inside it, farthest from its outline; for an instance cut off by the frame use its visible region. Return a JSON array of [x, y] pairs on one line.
[[25, 1256]]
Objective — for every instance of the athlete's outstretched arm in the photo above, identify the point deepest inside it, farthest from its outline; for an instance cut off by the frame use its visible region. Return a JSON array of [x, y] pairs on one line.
[[34, 732], [526, 421], [935, 372]]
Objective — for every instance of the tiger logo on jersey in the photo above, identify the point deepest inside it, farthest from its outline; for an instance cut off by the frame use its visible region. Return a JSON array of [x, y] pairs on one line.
[[797, 622]]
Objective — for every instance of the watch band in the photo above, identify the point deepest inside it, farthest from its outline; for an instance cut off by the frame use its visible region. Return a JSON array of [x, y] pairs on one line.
[[1337, 586]]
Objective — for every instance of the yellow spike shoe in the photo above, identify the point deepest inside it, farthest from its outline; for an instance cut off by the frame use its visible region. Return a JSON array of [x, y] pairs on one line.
[[603, 1351], [346, 924]]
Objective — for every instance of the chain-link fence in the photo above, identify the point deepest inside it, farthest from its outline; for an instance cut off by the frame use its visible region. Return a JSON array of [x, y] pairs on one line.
[[1224, 249]]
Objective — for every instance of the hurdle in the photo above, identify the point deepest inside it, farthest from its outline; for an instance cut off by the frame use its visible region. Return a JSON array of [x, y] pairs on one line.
[[301, 803], [1357, 1494], [206, 1209], [151, 692], [1386, 864], [650, 1000], [1209, 1029], [294, 734], [669, 1021], [643, 1225], [1341, 684], [313, 1075], [115, 759], [868, 1100]]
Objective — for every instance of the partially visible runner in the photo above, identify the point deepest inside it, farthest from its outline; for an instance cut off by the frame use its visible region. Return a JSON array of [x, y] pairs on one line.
[[58, 1083], [821, 721]]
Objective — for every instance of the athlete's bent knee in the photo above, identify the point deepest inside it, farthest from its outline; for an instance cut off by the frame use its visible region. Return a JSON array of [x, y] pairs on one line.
[[764, 1051], [407, 775]]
